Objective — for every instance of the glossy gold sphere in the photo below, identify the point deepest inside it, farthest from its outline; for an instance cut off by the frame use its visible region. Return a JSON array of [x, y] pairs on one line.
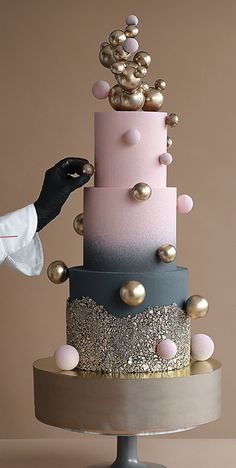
[[169, 142], [120, 54], [160, 84], [57, 272], [121, 100], [153, 100], [88, 169], [140, 72], [127, 80], [167, 253], [196, 306], [172, 120], [132, 293], [106, 56], [144, 87], [142, 58], [141, 191], [131, 30], [118, 67], [78, 224], [117, 37]]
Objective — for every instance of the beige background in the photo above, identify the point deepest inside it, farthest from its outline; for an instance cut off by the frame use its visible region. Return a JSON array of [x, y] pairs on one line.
[[49, 61]]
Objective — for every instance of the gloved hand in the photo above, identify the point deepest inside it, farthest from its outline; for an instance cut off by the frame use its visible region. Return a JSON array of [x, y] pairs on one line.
[[57, 186]]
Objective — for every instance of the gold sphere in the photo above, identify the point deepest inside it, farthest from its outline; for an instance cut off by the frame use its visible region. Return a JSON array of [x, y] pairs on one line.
[[117, 37], [131, 30], [121, 100], [144, 87], [142, 58], [160, 84], [169, 142], [132, 293], [88, 169], [78, 224], [118, 67], [172, 120], [128, 81], [141, 191], [106, 56], [140, 72], [167, 253], [57, 272], [196, 306], [120, 54], [153, 100]]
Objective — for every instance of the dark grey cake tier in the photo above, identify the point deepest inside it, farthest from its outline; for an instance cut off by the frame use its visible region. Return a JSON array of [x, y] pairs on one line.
[[162, 288]]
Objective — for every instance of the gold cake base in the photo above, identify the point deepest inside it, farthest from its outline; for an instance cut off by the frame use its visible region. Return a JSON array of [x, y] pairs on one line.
[[128, 404]]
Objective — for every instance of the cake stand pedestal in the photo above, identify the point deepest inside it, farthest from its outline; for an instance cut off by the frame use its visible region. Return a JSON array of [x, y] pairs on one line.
[[127, 405]]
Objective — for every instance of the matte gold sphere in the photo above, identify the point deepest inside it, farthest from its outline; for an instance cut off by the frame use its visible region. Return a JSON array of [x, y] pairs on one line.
[[121, 100], [167, 253], [118, 67], [57, 272], [196, 306], [128, 81], [78, 224], [106, 56], [142, 58], [131, 30], [140, 72], [160, 84], [169, 142], [141, 191], [120, 54], [153, 100], [172, 120], [88, 169], [132, 293], [117, 37]]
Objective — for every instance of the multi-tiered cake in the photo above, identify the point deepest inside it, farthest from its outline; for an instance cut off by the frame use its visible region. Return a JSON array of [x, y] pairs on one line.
[[129, 308]]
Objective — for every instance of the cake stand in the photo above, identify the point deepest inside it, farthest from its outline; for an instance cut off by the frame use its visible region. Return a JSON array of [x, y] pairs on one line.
[[127, 406]]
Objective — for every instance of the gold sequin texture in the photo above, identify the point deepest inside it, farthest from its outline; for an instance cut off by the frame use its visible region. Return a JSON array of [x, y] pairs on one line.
[[126, 344]]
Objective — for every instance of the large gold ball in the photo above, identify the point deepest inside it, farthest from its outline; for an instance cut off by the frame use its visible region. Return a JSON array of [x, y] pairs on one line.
[[132, 293], [169, 142], [78, 224], [121, 100], [127, 80], [142, 58], [57, 272], [106, 56], [172, 120], [120, 54], [153, 100], [160, 84], [131, 30], [88, 169], [167, 253], [141, 191], [117, 37], [196, 306]]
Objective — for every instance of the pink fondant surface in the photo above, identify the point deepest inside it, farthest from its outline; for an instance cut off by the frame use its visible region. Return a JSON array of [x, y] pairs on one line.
[[118, 164]]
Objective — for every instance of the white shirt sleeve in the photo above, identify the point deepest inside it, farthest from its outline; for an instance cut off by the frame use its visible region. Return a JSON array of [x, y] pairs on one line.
[[24, 252]]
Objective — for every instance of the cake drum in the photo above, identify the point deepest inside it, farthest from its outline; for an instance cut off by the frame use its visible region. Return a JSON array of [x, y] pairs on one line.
[[127, 405]]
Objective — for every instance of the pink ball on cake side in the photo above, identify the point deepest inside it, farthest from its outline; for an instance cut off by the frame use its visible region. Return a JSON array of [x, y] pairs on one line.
[[101, 89], [130, 45], [132, 136], [202, 347], [184, 204], [166, 159], [167, 349], [132, 19], [66, 357]]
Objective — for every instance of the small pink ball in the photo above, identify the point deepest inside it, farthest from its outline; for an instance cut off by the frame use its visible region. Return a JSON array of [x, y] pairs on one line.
[[66, 357], [166, 159], [132, 137], [167, 349], [184, 204], [101, 89], [132, 19], [202, 347], [130, 45]]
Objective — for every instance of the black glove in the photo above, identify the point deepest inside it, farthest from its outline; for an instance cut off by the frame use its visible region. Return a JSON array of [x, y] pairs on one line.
[[57, 186]]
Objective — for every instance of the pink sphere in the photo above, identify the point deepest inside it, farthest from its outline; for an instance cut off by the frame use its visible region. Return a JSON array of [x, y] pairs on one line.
[[132, 19], [184, 204], [167, 349], [101, 89], [202, 347], [132, 137], [130, 45], [66, 357], [165, 159]]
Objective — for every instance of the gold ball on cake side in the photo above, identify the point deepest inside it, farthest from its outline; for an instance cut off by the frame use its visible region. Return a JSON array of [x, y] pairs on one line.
[[132, 293], [153, 100], [196, 306], [88, 169], [57, 272], [78, 224], [172, 120], [167, 253], [169, 142], [141, 191]]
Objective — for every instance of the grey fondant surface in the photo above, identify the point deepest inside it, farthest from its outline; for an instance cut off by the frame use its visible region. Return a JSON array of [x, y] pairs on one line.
[[162, 288]]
